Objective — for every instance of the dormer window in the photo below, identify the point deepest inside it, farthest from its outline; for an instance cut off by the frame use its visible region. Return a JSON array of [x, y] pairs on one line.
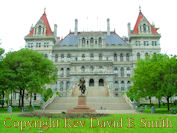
[[83, 41], [99, 40], [39, 30], [91, 41], [144, 27]]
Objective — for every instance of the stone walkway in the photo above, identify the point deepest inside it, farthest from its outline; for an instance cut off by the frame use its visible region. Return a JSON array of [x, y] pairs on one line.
[[97, 111]]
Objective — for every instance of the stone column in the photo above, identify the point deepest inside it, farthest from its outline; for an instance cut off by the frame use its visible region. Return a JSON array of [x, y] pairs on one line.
[[96, 82], [64, 88], [87, 82]]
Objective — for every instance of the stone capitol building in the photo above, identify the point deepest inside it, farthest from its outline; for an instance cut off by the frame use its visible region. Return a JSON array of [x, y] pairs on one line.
[[103, 58]]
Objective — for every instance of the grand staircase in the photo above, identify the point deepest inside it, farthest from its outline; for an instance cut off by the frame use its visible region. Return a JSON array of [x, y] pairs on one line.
[[98, 103], [97, 98]]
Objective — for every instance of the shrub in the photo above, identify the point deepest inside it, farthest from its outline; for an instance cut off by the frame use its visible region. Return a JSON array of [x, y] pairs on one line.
[[173, 110], [58, 94], [48, 94]]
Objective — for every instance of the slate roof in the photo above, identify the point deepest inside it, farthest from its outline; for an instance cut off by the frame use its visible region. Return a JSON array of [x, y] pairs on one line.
[[72, 39]]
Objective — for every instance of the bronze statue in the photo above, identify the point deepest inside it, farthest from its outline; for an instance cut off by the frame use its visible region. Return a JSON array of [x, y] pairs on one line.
[[82, 86]]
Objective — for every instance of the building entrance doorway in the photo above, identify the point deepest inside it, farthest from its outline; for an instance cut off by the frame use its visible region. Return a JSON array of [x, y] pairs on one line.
[[101, 82], [91, 82]]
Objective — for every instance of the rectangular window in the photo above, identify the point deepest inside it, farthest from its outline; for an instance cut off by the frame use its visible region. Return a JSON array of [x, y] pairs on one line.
[[137, 43], [146, 43], [154, 43], [35, 98]]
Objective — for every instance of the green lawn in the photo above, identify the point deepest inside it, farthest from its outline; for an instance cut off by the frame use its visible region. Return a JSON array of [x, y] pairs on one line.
[[162, 110], [83, 125], [16, 109]]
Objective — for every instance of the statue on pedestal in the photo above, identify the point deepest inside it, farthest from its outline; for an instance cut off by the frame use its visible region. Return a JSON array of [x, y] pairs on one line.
[[82, 86]]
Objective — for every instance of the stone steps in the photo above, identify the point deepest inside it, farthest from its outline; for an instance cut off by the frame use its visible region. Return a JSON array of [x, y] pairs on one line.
[[98, 103]]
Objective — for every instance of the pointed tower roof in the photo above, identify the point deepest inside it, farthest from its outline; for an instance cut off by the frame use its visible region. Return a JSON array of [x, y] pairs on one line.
[[46, 23], [140, 17]]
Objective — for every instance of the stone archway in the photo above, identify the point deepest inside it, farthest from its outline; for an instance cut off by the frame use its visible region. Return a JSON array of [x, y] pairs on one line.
[[91, 82], [101, 82]]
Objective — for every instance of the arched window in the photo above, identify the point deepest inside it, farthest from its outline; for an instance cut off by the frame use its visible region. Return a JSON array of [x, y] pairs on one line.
[[128, 85], [115, 70], [61, 86], [121, 57], [39, 29], [127, 57], [56, 57], [91, 82], [67, 71], [144, 27], [116, 85], [83, 69], [122, 71], [115, 57], [128, 82], [67, 85], [62, 71], [83, 56], [99, 41], [100, 57], [35, 97], [83, 41], [138, 56], [91, 41], [122, 85], [101, 82]]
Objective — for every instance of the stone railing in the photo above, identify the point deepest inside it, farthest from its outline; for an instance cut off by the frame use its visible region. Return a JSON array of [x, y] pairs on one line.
[[49, 101], [128, 101], [107, 91]]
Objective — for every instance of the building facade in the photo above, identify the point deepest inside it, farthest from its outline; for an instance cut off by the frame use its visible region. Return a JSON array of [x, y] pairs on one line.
[[103, 58]]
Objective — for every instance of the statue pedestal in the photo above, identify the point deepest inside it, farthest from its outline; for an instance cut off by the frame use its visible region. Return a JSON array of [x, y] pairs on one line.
[[81, 107]]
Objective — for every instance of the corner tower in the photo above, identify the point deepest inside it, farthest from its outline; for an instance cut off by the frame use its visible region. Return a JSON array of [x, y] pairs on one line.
[[144, 38], [41, 37]]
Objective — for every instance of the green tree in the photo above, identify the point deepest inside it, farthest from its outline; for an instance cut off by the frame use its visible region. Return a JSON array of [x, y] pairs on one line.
[[155, 76], [30, 71]]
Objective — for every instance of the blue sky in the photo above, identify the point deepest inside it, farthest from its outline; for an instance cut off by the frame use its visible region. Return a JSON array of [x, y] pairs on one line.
[[18, 16]]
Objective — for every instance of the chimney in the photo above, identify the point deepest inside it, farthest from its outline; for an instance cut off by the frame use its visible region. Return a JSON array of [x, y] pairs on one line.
[[129, 30], [76, 27], [108, 27], [55, 29]]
